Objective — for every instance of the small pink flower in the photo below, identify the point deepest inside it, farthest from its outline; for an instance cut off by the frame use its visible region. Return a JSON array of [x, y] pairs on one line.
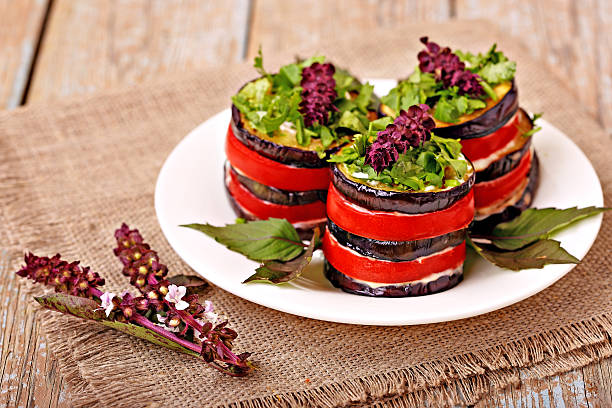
[[106, 300], [175, 295], [209, 310]]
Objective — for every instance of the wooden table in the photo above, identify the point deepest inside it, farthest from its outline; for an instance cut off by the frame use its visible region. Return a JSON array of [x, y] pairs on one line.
[[52, 49]]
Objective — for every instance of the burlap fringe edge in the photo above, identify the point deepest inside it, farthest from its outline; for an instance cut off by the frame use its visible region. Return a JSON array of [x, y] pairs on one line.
[[462, 379], [458, 380]]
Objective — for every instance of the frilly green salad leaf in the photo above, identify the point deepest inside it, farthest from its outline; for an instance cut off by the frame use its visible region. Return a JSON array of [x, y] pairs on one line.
[[284, 98], [437, 89]]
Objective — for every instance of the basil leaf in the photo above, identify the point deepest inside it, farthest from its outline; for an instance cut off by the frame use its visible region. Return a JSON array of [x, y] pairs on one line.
[[536, 255], [279, 272], [537, 223], [90, 310], [272, 239]]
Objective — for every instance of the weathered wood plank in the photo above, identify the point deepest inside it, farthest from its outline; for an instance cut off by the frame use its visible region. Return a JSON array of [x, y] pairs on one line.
[[92, 45], [20, 25], [598, 383], [280, 25], [589, 387], [574, 38]]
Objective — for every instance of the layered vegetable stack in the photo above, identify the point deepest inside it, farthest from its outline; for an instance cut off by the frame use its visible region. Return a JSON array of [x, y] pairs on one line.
[[398, 209], [474, 98], [284, 126]]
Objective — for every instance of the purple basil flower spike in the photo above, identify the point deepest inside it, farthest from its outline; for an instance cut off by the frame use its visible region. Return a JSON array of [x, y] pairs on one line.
[[448, 68], [411, 128], [318, 93]]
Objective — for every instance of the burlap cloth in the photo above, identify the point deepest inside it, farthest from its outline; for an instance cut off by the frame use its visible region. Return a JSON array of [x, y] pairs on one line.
[[71, 172]]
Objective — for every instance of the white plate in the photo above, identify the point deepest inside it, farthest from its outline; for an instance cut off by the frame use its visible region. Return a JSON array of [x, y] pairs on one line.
[[190, 189]]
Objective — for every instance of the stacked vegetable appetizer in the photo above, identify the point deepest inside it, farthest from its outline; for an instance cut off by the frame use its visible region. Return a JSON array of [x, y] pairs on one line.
[[398, 209], [474, 98], [283, 128]]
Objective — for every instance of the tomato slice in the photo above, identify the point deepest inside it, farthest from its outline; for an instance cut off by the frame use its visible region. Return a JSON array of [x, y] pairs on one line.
[[265, 209], [489, 192], [482, 147], [369, 269], [272, 173], [396, 226]]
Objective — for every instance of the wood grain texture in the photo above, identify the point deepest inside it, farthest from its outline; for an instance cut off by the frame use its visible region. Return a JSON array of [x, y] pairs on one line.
[[29, 373], [279, 24], [20, 25], [91, 45], [573, 37]]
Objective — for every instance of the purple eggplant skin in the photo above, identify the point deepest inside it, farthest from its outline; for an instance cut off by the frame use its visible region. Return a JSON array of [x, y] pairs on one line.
[[488, 122], [280, 153], [275, 195], [396, 251], [486, 225], [304, 233], [348, 284], [502, 166], [402, 201]]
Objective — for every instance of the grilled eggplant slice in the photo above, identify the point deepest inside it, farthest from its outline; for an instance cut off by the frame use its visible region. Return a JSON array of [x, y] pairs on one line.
[[395, 250], [350, 285], [304, 229], [396, 200], [502, 166], [275, 195], [282, 148], [486, 225], [488, 122]]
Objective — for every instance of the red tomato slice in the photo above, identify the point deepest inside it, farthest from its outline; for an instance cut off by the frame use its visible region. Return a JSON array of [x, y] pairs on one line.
[[489, 192], [482, 147], [368, 269], [265, 209], [272, 173], [396, 226]]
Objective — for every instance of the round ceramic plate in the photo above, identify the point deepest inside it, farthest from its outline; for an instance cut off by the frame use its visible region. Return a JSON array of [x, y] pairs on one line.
[[190, 189]]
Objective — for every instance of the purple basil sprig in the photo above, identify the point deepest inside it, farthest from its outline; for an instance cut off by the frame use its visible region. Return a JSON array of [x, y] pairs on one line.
[[318, 93], [410, 128], [448, 68], [162, 307]]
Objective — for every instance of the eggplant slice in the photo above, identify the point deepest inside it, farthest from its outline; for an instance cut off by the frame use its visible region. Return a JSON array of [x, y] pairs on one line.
[[488, 122], [401, 201], [502, 166], [350, 285], [303, 230], [275, 195], [486, 225], [278, 152], [395, 250]]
